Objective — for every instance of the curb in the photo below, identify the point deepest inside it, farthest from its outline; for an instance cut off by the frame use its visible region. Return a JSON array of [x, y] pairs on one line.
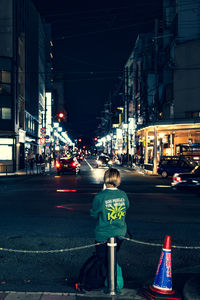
[[124, 295]]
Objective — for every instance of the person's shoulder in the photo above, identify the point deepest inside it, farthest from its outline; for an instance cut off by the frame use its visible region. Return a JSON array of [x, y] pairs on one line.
[[122, 192], [99, 194]]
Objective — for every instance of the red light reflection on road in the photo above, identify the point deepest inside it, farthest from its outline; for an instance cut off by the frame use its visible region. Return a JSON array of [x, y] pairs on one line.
[[66, 191], [75, 206], [65, 207]]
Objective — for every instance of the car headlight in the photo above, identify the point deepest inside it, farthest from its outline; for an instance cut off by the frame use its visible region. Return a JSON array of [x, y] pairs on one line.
[[110, 162], [99, 162]]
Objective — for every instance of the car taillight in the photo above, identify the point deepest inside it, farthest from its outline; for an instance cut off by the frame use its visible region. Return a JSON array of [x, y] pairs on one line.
[[177, 178], [57, 165], [73, 164]]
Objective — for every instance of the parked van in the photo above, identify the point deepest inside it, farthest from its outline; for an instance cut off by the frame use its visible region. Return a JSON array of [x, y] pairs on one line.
[[169, 165]]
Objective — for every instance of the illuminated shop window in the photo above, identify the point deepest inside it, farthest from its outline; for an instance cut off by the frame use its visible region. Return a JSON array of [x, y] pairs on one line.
[[5, 152]]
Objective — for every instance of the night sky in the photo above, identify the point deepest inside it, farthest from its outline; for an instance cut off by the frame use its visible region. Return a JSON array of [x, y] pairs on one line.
[[92, 42]]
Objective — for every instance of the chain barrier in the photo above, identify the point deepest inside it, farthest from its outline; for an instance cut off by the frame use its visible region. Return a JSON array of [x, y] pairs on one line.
[[158, 245], [93, 245], [50, 251]]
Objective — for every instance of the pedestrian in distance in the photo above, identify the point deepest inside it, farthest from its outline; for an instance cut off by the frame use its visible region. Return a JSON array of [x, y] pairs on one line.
[[109, 209], [31, 164]]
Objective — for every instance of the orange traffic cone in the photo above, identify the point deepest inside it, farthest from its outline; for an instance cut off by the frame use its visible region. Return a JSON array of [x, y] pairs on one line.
[[162, 285]]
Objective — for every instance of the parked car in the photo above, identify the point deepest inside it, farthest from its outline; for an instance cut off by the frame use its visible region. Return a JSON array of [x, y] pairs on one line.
[[104, 161], [169, 165], [189, 180], [66, 164]]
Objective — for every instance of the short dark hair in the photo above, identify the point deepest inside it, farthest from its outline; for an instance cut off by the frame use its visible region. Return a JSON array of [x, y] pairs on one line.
[[112, 176]]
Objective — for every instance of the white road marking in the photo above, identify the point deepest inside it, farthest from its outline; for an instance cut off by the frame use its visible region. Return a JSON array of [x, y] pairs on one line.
[[141, 173], [163, 186], [89, 164]]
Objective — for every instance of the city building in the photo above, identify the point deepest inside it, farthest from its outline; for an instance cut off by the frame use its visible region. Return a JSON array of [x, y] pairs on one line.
[[22, 83], [161, 90], [172, 86], [12, 84]]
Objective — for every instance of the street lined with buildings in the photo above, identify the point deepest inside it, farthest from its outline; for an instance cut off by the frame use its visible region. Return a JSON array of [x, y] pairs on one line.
[[36, 216], [150, 121]]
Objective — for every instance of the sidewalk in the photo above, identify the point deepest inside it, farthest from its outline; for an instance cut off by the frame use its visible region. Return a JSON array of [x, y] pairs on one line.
[[94, 295], [27, 172]]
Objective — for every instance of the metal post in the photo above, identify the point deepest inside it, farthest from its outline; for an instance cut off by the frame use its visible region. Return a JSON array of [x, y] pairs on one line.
[[127, 113], [155, 150], [112, 266]]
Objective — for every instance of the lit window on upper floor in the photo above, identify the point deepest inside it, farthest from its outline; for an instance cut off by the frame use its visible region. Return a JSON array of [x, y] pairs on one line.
[[5, 113], [5, 77]]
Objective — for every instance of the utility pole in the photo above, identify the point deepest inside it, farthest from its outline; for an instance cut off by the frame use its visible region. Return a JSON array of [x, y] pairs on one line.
[[45, 122], [126, 110], [156, 99]]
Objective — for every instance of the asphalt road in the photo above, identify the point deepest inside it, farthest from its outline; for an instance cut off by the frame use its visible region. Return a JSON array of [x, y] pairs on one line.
[[51, 212]]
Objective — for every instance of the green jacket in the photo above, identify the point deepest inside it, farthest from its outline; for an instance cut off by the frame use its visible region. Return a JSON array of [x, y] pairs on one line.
[[109, 208]]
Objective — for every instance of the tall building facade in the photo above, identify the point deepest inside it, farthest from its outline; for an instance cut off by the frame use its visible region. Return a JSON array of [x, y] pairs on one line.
[[165, 84], [22, 82], [12, 83]]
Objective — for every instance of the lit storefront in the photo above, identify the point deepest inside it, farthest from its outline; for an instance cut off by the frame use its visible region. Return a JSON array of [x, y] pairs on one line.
[[6, 154], [165, 140]]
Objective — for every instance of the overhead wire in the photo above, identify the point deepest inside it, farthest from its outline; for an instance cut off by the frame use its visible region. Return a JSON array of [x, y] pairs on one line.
[[105, 30]]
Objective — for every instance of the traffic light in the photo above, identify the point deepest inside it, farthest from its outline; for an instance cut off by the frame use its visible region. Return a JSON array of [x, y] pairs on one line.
[[61, 115], [95, 139], [80, 140]]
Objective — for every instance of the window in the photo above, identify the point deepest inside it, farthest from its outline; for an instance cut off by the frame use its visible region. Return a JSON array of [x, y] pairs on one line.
[[5, 77], [182, 164], [5, 152], [5, 82], [192, 114], [5, 89], [5, 113]]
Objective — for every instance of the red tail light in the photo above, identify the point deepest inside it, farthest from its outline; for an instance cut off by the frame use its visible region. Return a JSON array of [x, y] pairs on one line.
[[177, 178], [73, 164], [57, 165]]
